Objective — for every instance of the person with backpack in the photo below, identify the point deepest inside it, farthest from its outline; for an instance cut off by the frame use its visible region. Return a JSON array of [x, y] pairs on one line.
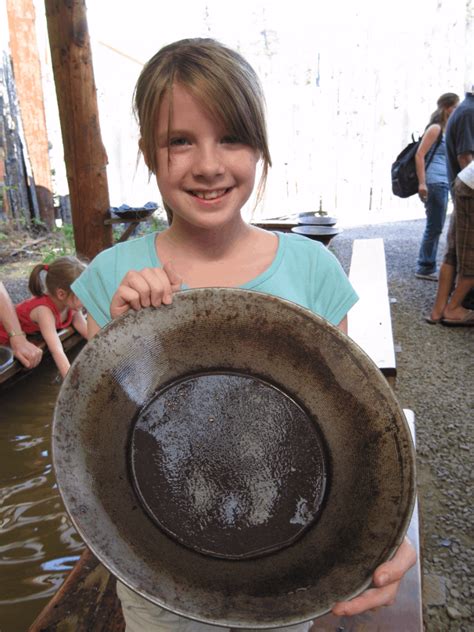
[[433, 184]]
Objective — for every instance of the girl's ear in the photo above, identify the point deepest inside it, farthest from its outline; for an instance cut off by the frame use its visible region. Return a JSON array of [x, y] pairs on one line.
[[61, 294]]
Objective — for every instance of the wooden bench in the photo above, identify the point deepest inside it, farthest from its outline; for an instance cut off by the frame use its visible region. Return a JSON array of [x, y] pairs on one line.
[[369, 321]]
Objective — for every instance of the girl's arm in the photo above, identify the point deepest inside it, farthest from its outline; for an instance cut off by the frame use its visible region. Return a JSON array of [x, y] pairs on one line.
[[427, 142], [92, 327], [47, 324], [79, 323]]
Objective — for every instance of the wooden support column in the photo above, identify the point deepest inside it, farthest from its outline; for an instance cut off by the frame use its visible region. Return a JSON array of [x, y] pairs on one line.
[[84, 153]]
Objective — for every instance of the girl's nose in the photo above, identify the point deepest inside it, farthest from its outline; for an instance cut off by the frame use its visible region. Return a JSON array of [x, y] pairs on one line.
[[208, 162]]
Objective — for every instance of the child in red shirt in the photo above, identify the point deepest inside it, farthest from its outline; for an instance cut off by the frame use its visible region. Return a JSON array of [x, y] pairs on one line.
[[51, 310]]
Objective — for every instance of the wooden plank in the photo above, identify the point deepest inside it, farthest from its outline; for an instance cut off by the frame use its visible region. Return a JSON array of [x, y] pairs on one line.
[[86, 602], [369, 321], [69, 338]]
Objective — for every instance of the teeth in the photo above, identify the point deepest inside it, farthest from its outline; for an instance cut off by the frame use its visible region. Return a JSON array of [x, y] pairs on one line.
[[209, 195]]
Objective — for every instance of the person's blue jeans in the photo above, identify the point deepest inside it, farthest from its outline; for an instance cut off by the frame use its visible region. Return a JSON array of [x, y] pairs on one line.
[[435, 207]]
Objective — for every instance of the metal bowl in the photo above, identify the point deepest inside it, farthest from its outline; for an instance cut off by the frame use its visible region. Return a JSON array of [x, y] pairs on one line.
[[316, 220], [323, 234], [233, 458]]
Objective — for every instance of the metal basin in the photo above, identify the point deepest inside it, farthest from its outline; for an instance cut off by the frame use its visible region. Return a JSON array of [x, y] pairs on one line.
[[323, 234], [233, 458], [316, 220]]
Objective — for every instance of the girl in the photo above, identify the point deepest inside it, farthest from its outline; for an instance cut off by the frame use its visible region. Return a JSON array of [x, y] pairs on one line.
[[433, 184], [200, 110], [49, 311]]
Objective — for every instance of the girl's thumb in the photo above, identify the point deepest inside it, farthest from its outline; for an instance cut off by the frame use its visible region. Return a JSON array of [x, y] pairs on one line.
[[173, 276]]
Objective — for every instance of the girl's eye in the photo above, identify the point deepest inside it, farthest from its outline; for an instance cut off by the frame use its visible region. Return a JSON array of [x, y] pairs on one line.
[[178, 142], [230, 138]]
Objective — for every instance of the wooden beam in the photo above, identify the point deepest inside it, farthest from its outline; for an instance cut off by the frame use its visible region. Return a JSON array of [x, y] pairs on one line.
[[84, 153]]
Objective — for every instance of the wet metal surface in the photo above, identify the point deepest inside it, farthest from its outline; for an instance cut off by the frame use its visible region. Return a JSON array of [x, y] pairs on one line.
[[369, 498], [228, 465]]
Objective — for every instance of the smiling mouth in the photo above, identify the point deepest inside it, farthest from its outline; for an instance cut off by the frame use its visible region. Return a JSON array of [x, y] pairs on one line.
[[210, 195]]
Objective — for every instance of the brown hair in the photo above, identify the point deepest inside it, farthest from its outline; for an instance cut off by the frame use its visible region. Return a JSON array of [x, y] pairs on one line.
[[59, 275], [445, 101], [219, 78]]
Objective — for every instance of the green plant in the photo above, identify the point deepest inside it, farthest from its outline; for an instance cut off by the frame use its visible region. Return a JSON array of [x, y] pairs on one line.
[[155, 223], [62, 244]]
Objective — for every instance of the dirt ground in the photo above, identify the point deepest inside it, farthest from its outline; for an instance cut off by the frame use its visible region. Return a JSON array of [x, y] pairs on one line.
[[20, 251]]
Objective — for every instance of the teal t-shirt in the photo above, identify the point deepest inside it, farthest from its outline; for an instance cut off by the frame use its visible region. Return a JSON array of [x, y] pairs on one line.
[[303, 271]]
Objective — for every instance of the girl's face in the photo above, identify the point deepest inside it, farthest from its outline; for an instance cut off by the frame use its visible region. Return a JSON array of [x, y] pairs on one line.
[[68, 299], [73, 302], [449, 110], [204, 174]]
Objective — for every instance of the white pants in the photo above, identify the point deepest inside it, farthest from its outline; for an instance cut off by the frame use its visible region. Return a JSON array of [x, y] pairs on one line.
[[143, 616]]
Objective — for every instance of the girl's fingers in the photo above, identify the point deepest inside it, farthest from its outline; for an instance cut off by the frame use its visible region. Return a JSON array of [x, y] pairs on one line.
[[386, 580], [150, 286], [158, 286], [140, 282], [124, 299], [174, 278], [395, 569], [370, 599]]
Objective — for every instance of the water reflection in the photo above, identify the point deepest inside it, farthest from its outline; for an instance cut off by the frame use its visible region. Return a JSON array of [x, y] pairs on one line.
[[38, 545]]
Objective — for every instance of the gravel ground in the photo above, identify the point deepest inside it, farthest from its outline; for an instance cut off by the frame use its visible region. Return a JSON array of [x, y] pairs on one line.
[[434, 379]]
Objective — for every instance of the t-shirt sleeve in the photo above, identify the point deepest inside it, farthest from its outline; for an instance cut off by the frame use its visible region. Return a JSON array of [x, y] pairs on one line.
[[95, 287], [333, 292]]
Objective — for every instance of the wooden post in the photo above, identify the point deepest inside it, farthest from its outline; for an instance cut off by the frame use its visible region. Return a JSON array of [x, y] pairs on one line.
[[84, 153]]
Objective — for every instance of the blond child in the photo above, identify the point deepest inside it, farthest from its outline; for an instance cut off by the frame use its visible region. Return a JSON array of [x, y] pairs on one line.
[[201, 113]]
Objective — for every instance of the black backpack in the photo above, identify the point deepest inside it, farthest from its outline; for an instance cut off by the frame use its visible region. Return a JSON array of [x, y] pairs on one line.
[[404, 178]]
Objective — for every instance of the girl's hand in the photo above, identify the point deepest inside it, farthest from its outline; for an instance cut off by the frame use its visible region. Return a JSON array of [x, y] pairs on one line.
[[386, 580], [423, 192], [145, 288]]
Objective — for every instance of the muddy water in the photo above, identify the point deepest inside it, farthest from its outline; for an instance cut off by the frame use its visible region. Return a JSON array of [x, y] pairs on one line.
[[38, 545]]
